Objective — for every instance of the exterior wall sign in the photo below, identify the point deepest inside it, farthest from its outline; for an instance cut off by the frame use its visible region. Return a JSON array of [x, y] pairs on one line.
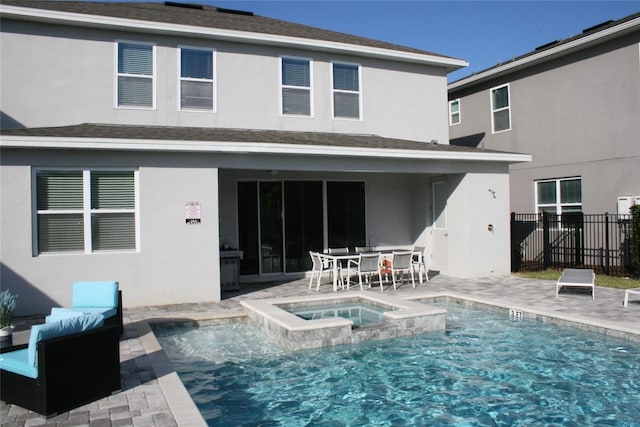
[[192, 212]]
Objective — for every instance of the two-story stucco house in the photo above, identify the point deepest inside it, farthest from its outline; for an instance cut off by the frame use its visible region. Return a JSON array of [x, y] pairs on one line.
[[140, 138], [574, 105]]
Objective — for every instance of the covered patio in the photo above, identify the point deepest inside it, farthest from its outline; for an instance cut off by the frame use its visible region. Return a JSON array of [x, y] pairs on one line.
[[272, 194]]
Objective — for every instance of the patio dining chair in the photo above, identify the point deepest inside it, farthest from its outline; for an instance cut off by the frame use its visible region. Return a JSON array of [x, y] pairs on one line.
[[417, 262], [401, 263], [319, 267], [367, 265]]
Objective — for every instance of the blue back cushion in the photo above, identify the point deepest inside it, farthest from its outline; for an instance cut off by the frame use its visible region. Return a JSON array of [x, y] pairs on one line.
[[95, 294], [59, 328]]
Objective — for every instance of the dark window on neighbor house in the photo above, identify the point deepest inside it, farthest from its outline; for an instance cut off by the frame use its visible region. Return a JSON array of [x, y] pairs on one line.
[[296, 86], [454, 112], [558, 196], [85, 211], [500, 109], [196, 79], [135, 75], [346, 91]]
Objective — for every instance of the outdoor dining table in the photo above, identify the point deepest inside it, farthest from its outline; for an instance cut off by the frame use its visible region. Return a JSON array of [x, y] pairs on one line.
[[336, 259]]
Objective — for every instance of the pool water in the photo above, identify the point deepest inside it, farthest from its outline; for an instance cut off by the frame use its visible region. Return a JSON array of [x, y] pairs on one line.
[[484, 370], [360, 314]]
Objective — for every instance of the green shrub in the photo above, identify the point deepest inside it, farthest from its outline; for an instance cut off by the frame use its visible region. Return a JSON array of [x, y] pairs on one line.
[[7, 304]]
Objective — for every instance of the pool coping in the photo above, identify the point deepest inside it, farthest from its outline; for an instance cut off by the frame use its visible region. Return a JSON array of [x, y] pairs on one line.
[[402, 317], [185, 411]]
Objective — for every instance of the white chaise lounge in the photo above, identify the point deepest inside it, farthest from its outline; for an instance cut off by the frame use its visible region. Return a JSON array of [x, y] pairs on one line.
[[628, 293], [577, 277]]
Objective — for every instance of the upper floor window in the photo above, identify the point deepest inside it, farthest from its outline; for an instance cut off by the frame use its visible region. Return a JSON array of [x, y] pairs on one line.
[[135, 75], [346, 91], [196, 79], [500, 109], [296, 86], [84, 210], [558, 196], [454, 112]]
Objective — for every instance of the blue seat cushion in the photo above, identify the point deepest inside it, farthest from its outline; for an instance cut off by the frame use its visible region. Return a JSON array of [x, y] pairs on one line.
[[59, 313], [105, 311], [95, 294], [59, 328], [18, 363]]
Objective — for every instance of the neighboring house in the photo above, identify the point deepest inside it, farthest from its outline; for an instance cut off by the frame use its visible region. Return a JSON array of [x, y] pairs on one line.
[[138, 139], [574, 105]]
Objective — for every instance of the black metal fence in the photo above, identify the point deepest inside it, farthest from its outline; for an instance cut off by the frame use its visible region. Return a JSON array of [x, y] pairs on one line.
[[601, 242]]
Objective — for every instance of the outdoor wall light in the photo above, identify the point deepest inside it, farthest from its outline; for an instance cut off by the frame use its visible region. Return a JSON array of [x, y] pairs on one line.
[[493, 192], [490, 227]]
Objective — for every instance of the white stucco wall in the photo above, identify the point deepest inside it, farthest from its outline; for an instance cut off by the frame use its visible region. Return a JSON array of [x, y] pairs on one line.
[[472, 249], [55, 75], [175, 262]]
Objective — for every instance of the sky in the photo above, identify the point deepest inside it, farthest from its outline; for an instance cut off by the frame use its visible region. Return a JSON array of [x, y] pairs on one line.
[[483, 33]]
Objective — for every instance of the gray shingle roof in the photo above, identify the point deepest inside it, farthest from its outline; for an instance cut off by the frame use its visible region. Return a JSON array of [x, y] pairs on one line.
[[552, 45], [209, 17], [174, 133]]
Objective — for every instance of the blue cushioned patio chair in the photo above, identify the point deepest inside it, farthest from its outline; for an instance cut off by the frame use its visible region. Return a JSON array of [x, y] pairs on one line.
[[67, 363]]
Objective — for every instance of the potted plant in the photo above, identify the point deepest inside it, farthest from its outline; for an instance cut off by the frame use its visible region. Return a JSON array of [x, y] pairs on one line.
[[7, 305]]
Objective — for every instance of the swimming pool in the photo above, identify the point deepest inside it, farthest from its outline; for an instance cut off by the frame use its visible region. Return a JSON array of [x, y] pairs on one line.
[[485, 369]]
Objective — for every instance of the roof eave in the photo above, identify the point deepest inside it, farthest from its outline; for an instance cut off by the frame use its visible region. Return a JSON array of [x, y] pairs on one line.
[[101, 21], [257, 147], [548, 54]]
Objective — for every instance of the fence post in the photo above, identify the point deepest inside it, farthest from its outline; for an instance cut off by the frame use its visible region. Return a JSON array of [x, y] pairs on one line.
[[514, 252], [546, 241], [607, 261]]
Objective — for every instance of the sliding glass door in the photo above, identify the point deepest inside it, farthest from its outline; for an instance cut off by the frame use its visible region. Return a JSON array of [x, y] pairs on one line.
[[271, 227], [303, 223], [346, 214], [281, 221]]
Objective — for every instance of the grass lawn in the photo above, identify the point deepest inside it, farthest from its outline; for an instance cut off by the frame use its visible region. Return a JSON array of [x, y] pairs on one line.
[[601, 279]]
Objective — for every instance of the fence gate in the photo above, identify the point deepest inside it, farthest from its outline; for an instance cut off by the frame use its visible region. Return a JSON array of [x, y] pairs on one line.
[[599, 241]]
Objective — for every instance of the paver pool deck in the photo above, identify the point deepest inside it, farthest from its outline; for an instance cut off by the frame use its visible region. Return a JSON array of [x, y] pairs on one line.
[[152, 394]]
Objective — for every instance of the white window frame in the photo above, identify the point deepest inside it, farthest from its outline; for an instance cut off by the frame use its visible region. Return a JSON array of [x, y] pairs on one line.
[[496, 110], [558, 205], [358, 92], [86, 211], [118, 75], [213, 80], [282, 86], [451, 113], [437, 226]]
